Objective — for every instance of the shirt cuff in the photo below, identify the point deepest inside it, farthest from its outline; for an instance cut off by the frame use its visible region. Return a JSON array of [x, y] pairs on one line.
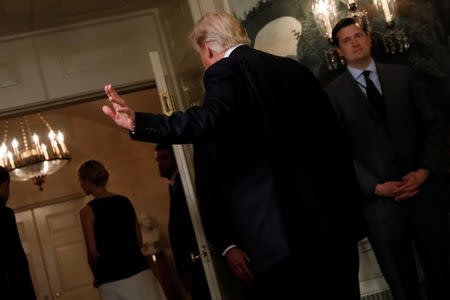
[[228, 249]]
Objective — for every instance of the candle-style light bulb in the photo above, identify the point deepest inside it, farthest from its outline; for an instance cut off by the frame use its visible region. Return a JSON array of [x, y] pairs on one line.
[[51, 135], [325, 16], [11, 160], [386, 10], [60, 138], [3, 154], [44, 150], [14, 144], [35, 138]]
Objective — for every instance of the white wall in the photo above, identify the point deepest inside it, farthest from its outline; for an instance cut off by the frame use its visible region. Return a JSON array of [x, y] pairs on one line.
[[47, 66]]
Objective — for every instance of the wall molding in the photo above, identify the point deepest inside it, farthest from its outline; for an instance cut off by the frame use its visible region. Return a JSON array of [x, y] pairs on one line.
[[200, 7], [74, 99], [84, 24], [74, 66]]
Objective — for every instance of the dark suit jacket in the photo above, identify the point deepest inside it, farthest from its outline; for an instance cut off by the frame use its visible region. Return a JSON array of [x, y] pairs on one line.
[[415, 127], [255, 188], [15, 278]]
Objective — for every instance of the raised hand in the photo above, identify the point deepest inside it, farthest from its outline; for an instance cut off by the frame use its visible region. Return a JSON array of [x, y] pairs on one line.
[[119, 111]]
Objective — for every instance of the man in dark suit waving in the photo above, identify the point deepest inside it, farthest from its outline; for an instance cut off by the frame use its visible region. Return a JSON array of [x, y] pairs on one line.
[[270, 208], [396, 139]]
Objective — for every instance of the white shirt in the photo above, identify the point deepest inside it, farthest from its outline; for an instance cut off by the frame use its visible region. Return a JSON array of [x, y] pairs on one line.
[[359, 77], [228, 52]]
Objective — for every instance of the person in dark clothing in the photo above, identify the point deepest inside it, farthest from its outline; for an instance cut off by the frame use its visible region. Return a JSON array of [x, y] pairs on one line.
[[15, 278], [396, 138], [181, 231], [113, 240], [269, 210]]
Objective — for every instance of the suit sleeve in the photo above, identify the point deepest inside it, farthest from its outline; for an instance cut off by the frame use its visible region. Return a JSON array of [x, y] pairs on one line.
[[432, 124], [199, 122], [366, 180], [18, 271]]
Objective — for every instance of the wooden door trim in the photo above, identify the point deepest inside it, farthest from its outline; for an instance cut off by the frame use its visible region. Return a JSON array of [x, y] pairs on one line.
[[70, 197]]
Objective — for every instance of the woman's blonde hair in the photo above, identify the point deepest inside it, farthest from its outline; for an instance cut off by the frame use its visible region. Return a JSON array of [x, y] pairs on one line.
[[93, 171], [220, 31]]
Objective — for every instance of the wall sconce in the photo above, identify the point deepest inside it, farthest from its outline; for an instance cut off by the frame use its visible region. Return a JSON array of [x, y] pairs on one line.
[[325, 16], [394, 40], [359, 14]]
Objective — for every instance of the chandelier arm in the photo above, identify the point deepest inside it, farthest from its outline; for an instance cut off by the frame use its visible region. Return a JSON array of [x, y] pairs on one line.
[[5, 134], [28, 129], [24, 136], [44, 120]]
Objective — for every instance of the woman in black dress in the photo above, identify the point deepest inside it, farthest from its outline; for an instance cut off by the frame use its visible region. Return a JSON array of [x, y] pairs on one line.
[[113, 240]]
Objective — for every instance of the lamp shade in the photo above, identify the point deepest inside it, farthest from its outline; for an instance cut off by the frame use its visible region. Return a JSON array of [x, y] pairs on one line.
[[325, 16]]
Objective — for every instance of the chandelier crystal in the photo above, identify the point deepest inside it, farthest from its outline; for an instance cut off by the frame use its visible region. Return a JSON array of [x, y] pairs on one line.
[[359, 14], [325, 17], [29, 157], [394, 40]]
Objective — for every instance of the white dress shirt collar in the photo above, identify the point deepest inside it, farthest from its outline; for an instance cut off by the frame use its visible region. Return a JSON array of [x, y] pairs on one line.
[[356, 73], [228, 52]]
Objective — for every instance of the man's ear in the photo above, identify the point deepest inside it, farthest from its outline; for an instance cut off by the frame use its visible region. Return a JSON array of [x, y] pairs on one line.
[[209, 51], [339, 52]]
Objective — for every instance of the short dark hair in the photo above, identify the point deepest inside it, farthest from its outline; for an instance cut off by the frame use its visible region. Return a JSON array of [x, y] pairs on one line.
[[342, 24], [4, 175]]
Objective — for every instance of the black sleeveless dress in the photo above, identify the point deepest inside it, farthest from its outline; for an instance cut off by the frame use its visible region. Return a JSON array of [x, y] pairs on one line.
[[119, 255]]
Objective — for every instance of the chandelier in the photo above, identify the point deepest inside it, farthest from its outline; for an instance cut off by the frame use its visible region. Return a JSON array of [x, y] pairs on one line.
[[28, 157], [359, 14], [394, 40], [325, 17]]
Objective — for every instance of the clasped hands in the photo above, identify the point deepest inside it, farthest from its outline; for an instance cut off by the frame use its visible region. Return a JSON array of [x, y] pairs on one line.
[[405, 188]]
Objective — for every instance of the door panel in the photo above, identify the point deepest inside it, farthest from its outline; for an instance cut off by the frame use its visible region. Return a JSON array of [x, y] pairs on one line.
[[64, 250], [30, 243]]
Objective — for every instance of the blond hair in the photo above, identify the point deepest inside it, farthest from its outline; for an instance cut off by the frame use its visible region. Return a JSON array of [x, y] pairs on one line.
[[93, 171], [220, 31]]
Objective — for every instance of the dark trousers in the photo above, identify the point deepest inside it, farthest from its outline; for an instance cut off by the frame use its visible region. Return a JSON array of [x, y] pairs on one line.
[[395, 229], [200, 289], [328, 273]]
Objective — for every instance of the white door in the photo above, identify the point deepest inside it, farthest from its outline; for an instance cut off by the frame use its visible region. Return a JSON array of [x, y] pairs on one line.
[[217, 277], [30, 243], [64, 251]]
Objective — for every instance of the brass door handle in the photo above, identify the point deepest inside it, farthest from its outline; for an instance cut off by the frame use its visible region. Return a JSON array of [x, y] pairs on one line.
[[168, 105], [195, 257]]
